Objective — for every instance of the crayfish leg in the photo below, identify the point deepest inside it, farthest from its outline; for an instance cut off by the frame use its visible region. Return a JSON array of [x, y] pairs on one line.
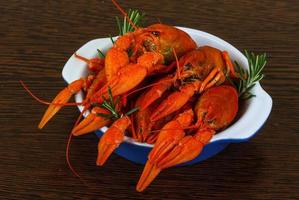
[[143, 123], [214, 77], [94, 64], [97, 83], [229, 64]]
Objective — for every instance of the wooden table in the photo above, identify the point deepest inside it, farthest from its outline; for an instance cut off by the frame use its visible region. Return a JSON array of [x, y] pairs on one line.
[[36, 39]]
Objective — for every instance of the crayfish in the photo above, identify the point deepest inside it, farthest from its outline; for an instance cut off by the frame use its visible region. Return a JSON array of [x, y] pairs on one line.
[[215, 109], [186, 102]]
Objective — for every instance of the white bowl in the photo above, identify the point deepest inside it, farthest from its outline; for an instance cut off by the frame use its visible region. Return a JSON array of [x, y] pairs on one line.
[[255, 111]]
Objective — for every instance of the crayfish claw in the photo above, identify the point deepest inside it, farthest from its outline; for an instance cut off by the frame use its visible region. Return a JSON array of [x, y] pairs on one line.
[[175, 101], [168, 137], [106, 151], [123, 81], [92, 122], [155, 92], [149, 173], [62, 98], [187, 149], [111, 139]]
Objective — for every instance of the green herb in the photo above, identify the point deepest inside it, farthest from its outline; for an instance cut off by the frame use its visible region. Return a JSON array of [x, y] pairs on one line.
[[100, 54], [107, 116], [132, 111], [111, 38], [135, 16], [111, 106], [248, 78]]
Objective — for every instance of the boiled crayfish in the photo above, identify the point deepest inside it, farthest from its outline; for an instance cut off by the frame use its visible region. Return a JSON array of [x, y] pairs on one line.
[[215, 109], [200, 69], [180, 111]]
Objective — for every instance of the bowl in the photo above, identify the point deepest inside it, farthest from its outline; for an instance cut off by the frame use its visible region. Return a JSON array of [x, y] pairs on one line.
[[252, 115]]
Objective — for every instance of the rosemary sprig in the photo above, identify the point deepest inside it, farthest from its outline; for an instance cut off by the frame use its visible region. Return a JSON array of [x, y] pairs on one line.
[[135, 16], [132, 111], [111, 38], [248, 78], [100, 54], [111, 105]]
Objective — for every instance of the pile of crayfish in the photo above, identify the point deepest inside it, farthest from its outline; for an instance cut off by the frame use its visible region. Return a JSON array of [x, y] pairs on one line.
[[156, 86]]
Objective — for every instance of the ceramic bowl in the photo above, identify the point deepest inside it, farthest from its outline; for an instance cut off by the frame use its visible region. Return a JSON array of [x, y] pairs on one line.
[[252, 115]]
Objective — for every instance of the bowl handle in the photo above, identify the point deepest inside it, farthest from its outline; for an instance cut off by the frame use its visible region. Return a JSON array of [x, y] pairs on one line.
[[257, 116]]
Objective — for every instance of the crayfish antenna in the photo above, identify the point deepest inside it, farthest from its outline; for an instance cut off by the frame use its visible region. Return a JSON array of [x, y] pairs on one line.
[[94, 64], [68, 146], [111, 139], [46, 102], [177, 64], [67, 151], [124, 13]]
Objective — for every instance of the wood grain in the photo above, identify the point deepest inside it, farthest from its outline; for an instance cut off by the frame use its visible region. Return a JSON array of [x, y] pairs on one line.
[[37, 37]]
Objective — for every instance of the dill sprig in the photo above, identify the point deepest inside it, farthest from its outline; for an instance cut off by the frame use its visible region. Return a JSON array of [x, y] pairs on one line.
[[135, 16], [248, 78], [111, 105]]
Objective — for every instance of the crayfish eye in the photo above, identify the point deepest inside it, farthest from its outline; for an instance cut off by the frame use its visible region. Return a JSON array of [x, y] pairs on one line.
[[156, 33]]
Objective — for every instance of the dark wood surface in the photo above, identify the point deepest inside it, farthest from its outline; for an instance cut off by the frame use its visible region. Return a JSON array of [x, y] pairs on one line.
[[36, 39]]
